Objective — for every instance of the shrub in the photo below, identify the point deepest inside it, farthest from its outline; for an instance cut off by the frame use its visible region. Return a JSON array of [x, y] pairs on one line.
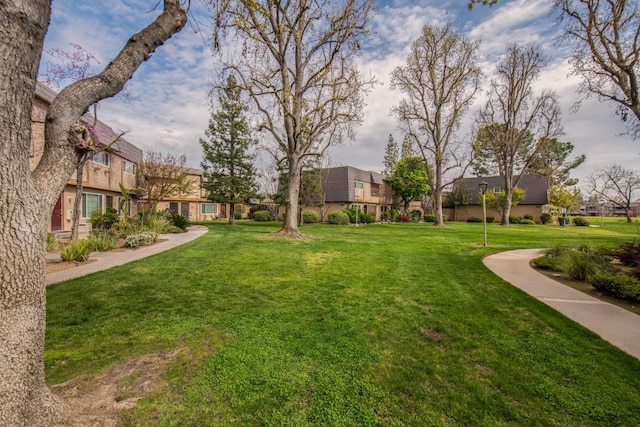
[[51, 242], [584, 264], [514, 219], [444, 218], [529, 217], [627, 253], [174, 230], [429, 218], [384, 216], [547, 263], [104, 221], [338, 217], [102, 242], [310, 217], [406, 218], [178, 220], [619, 286], [545, 218], [238, 215], [158, 225], [255, 208], [78, 251], [125, 229], [140, 239], [474, 219], [262, 216], [365, 218], [491, 219], [527, 221], [580, 222]]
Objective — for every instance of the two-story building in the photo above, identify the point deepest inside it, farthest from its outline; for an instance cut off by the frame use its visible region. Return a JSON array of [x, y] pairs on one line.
[[102, 175]]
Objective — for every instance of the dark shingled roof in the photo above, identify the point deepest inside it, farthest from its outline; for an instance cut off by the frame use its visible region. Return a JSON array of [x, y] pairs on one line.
[[535, 186], [103, 132], [339, 182]]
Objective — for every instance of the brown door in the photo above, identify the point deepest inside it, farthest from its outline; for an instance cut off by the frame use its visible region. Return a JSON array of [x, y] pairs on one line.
[[56, 216], [184, 209], [223, 210]]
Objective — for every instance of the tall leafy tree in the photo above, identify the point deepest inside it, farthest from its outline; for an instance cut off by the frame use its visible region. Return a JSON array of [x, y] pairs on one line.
[[553, 164], [409, 180], [299, 67], [230, 175], [604, 36], [515, 119], [458, 196], [439, 81], [390, 156], [27, 197], [496, 200]]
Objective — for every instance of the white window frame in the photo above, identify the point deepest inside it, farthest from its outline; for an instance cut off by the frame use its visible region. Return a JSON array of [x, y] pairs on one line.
[[129, 167], [359, 185], [214, 209], [97, 158], [84, 213]]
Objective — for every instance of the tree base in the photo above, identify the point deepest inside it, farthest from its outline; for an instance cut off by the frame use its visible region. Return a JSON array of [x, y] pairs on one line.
[[289, 234]]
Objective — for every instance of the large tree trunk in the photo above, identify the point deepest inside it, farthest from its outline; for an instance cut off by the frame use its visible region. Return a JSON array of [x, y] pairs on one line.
[[27, 198], [439, 222], [290, 226], [508, 197]]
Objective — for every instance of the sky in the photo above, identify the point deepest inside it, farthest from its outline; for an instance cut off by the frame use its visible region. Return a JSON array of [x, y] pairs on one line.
[[169, 103]]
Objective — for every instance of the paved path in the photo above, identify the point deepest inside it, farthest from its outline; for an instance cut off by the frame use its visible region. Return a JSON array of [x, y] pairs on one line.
[[614, 324], [106, 260]]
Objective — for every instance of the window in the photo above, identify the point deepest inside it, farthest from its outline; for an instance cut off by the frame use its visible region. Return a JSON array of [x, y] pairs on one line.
[[101, 158], [129, 167], [109, 202], [91, 203], [209, 209], [359, 185], [173, 207], [375, 190], [497, 189]]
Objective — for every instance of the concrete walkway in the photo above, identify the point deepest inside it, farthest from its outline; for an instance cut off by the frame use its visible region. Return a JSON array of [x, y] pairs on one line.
[[106, 260], [614, 324]]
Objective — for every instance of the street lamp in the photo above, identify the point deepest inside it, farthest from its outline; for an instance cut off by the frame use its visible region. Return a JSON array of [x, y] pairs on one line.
[[483, 189]]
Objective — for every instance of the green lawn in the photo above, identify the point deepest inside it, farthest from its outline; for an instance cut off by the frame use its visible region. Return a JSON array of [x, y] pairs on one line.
[[376, 325]]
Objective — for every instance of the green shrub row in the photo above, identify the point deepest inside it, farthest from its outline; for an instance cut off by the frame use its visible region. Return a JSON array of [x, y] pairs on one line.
[[338, 217], [618, 285], [262, 216], [310, 217]]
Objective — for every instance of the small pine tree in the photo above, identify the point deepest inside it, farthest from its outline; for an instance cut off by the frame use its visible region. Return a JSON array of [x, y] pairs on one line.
[[228, 165], [390, 156], [407, 148]]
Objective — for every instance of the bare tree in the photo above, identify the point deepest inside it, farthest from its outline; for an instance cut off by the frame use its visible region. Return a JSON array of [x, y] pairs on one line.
[[27, 197], [615, 185], [440, 80], [163, 175], [606, 52], [298, 65], [515, 120]]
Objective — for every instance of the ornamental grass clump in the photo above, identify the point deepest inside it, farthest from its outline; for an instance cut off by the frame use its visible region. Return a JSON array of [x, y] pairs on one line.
[[78, 251]]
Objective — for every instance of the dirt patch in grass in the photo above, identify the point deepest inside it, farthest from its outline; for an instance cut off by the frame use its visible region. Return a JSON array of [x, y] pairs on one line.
[[54, 265], [97, 401], [586, 288]]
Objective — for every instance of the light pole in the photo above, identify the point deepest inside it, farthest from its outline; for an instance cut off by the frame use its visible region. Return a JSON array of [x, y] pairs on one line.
[[602, 201], [483, 189]]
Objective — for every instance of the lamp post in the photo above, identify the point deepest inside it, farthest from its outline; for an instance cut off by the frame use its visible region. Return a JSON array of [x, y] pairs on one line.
[[602, 201], [483, 189]]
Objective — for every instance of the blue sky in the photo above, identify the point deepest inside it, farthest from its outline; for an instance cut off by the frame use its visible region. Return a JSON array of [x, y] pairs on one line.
[[171, 90]]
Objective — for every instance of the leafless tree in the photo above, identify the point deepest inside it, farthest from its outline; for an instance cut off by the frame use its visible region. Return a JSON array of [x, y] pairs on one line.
[[163, 175], [298, 65], [605, 37], [27, 197], [514, 119], [440, 81], [615, 185]]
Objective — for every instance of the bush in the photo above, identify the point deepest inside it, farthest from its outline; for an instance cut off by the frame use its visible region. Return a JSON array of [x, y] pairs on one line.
[[338, 217], [584, 264], [545, 218], [51, 242], [514, 219], [385, 216], [580, 222], [491, 219], [104, 221], [529, 217], [527, 221], [429, 218], [255, 208], [547, 263], [140, 239], [406, 218], [262, 216], [619, 286], [310, 217], [365, 218], [474, 219], [102, 242], [178, 220], [158, 225], [78, 251], [238, 215], [172, 229], [627, 253]]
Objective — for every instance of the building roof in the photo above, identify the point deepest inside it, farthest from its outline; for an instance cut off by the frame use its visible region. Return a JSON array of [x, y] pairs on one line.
[[101, 131], [338, 182], [535, 186]]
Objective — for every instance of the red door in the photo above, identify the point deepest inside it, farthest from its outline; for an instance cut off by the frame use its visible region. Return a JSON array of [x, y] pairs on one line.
[[56, 216]]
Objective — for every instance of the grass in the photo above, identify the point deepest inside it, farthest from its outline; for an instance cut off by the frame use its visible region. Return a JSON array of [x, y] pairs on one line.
[[375, 325]]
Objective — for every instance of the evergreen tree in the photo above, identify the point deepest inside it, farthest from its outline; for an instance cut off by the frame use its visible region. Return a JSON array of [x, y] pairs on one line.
[[390, 156], [228, 165], [407, 147]]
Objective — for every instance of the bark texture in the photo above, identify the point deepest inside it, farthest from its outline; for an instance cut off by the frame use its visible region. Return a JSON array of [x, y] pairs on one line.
[[27, 198]]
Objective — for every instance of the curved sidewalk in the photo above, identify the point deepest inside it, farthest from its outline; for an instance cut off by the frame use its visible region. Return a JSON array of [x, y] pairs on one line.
[[614, 324], [106, 260]]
